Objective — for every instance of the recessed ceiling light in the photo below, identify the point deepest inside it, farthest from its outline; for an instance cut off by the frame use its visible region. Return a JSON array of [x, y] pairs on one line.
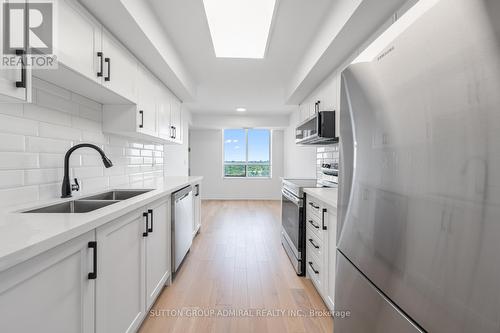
[[239, 28], [241, 109]]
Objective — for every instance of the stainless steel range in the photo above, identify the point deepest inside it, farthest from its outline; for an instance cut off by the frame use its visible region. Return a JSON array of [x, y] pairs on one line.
[[293, 221]]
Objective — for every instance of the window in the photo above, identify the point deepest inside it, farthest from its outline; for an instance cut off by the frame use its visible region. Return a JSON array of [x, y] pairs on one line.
[[247, 153]]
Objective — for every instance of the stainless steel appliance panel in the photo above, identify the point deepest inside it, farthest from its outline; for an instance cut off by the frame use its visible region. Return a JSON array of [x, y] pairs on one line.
[[293, 229], [364, 309], [419, 207]]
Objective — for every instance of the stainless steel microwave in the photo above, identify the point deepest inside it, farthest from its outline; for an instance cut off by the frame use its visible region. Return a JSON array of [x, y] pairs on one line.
[[319, 129]]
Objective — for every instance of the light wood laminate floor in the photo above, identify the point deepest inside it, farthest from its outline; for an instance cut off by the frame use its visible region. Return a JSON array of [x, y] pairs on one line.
[[237, 263]]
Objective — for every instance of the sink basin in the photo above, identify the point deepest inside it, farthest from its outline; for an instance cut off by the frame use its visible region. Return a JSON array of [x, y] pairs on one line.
[[117, 195], [75, 206]]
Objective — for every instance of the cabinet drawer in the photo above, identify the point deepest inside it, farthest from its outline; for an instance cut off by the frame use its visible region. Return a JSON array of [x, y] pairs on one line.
[[315, 245], [314, 270], [313, 206], [314, 224]]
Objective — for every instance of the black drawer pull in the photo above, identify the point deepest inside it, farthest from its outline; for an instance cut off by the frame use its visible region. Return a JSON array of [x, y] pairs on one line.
[[314, 224], [313, 244], [99, 55], [146, 215], [323, 218], [93, 275], [108, 61], [150, 211], [313, 205], [312, 267], [22, 83], [141, 125]]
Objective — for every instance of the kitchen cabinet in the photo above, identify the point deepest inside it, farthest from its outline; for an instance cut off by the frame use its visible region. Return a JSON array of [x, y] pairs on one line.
[[197, 209], [78, 47], [158, 249], [157, 115], [50, 292], [120, 284], [321, 236], [15, 83], [120, 68], [175, 120]]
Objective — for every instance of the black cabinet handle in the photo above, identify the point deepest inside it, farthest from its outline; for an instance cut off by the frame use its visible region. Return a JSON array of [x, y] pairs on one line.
[[146, 215], [197, 190], [312, 267], [93, 275], [172, 136], [323, 218], [141, 125], [313, 244], [150, 212], [313, 205], [101, 68], [314, 224], [22, 83], [108, 61], [175, 132]]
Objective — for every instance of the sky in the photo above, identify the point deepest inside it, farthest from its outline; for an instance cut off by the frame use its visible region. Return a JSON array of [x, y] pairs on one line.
[[258, 145]]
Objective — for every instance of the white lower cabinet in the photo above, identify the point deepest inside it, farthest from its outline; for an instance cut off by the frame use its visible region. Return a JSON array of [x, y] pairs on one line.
[[321, 236], [50, 292], [120, 283], [133, 266], [158, 250]]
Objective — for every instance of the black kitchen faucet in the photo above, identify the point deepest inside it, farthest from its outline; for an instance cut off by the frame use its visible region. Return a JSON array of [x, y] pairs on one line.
[[67, 188]]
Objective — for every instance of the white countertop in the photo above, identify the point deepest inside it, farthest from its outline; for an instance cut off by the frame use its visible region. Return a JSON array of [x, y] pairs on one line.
[[23, 236], [325, 194]]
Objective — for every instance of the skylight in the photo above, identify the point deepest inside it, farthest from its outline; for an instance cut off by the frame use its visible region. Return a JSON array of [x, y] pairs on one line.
[[239, 28]]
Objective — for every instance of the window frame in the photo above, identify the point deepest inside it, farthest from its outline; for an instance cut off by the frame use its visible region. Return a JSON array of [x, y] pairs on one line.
[[246, 154]]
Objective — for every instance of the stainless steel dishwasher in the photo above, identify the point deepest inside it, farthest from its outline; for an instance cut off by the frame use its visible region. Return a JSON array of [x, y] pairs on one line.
[[182, 225]]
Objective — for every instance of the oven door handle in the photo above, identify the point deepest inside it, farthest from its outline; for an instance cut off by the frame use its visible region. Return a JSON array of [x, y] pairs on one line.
[[292, 198]]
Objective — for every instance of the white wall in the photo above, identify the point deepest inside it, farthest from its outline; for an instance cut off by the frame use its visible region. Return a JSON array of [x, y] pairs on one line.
[[300, 161], [34, 138], [206, 161]]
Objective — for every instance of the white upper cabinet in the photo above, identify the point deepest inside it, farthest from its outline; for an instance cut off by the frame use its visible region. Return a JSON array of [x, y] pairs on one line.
[[146, 102], [15, 83], [164, 128], [175, 119], [79, 40], [120, 68]]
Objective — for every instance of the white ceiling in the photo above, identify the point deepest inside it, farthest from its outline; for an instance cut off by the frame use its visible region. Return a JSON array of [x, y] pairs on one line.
[[258, 84]]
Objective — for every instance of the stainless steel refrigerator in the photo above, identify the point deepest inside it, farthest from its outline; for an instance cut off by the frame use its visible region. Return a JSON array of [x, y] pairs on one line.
[[418, 247]]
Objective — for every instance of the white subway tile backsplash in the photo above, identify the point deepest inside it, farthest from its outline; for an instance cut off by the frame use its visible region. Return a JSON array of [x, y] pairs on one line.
[[17, 125], [86, 102], [56, 102], [88, 172], [14, 109], [33, 111], [11, 178], [35, 137], [118, 180], [87, 125], [42, 176], [91, 114], [18, 161], [59, 132], [18, 195], [11, 142], [46, 145]]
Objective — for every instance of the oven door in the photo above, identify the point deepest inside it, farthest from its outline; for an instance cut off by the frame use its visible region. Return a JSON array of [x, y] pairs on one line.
[[292, 221]]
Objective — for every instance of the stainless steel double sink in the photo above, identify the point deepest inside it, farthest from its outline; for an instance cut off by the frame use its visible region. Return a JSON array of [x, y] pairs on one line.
[[91, 203]]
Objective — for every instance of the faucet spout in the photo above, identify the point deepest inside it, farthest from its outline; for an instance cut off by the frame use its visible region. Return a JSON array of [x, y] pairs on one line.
[[66, 186]]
